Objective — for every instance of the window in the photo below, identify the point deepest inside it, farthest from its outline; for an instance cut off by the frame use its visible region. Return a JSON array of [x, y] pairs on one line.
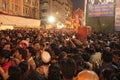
[[12, 8], [4, 5], [44, 10], [16, 8], [36, 4], [26, 10], [33, 3]]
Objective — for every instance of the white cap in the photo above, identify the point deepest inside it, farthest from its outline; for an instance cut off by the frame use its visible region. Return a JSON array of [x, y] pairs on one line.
[[45, 56]]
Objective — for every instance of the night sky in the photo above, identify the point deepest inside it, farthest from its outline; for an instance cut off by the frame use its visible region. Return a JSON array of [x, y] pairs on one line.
[[78, 4]]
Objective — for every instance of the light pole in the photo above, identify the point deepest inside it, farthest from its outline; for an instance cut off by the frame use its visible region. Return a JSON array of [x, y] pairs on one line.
[[85, 9]]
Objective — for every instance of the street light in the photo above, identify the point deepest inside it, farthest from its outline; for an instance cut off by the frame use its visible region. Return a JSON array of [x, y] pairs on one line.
[[51, 19]]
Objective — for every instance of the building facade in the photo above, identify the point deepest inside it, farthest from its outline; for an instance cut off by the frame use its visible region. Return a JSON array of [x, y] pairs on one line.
[[44, 10], [60, 9], [24, 8]]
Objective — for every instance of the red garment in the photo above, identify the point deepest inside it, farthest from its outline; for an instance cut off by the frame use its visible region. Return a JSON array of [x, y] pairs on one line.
[[83, 32], [6, 66]]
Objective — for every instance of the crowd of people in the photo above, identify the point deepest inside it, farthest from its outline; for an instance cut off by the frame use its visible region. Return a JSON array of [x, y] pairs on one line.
[[58, 54]]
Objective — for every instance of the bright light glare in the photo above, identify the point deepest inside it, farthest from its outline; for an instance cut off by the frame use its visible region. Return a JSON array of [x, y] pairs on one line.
[[62, 25], [51, 19]]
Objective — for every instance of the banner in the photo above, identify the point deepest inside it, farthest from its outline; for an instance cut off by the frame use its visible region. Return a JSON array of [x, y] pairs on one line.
[[117, 15], [98, 8]]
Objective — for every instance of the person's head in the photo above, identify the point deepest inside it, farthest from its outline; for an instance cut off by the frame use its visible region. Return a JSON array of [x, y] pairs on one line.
[[8, 38], [79, 61], [3, 40], [107, 57], [24, 44], [30, 52], [116, 55], [45, 57], [27, 39], [87, 75], [24, 67], [33, 75], [97, 48], [68, 68], [106, 74], [108, 49], [54, 72], [62, 55], [7, 46], [21, 54], [4, 56], [86, 57], [37, 46], [14, 73]]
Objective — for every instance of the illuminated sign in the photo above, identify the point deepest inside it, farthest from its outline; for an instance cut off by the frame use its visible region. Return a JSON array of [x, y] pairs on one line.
[[98, 8], [117, 15]]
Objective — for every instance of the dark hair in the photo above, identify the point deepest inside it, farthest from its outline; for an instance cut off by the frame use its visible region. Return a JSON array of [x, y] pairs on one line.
[[54, 72], [23, 66], [14, 73], [90, 51], [7, 43], [107, 57], [22, 52], [97, 48], [3, 39], [116, 52], [36, 42], [33, 75], [68, 67], [61, 55], [32, 51], [107, 73], [5, 53], [86, 56], [79, 62]]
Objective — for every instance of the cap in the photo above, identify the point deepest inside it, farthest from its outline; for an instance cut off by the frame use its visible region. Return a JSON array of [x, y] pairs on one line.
[[45, 56]]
